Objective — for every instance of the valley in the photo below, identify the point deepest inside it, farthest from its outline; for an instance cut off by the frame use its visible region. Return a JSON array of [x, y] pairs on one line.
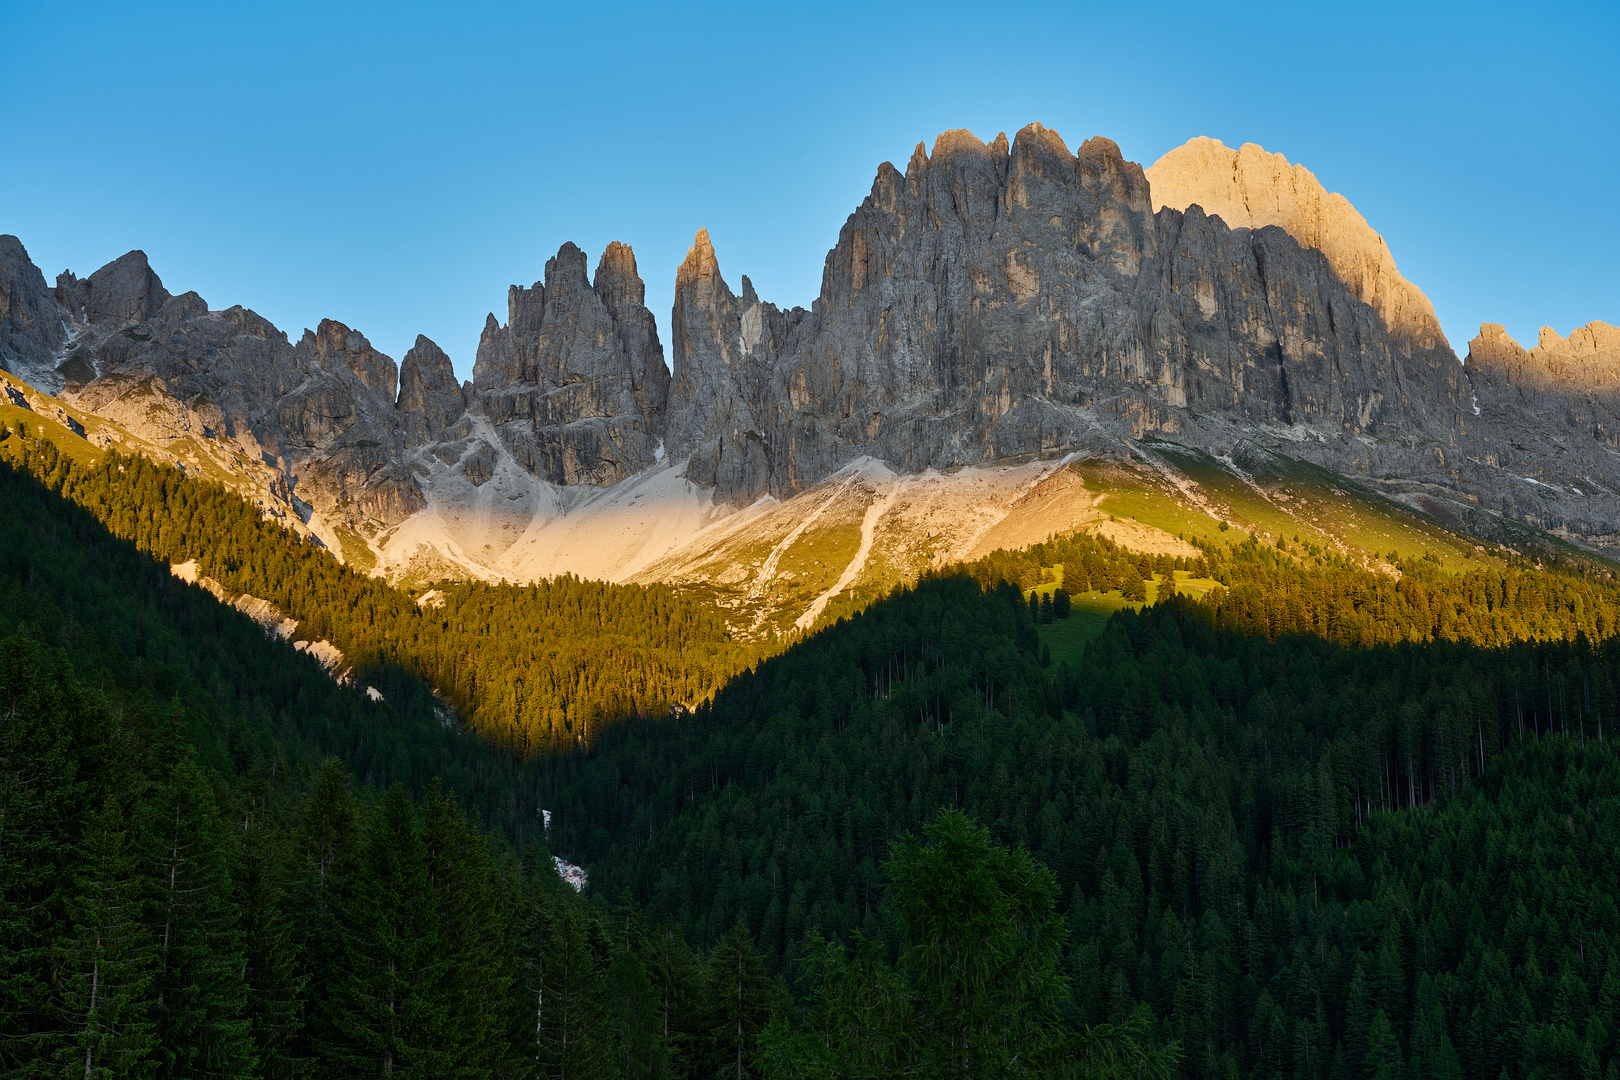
[[640, 714]]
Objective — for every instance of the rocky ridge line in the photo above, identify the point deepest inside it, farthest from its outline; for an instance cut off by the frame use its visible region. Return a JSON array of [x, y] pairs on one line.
[[995, 302]]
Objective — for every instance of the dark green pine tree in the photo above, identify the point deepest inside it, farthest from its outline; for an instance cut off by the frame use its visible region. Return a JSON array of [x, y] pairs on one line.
[[327, 846], [983, 947], [1383, 1050], [634, 1020], [41, 803], [104, 962], [1358, 1019], [274, 983], [380, 1005], [189, 852], [676, 976], [463, 1000], [570, 1030], [741, 998]]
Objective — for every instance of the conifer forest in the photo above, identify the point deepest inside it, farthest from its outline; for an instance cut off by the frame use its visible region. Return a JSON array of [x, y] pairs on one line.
[[1310, 820]]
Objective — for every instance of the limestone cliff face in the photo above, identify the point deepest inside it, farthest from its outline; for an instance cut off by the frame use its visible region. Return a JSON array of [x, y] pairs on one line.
[[575, 382], [123, 293], [723, 346], [991, 303], [1547, 427], [430, 399], [1586, 361], [999, 301], [312, 425], [1248, 188], [31, 327]]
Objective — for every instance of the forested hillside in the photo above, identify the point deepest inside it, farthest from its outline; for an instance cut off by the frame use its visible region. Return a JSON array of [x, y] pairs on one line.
[[1307, 859], [531, 668], [192, 884], [1323, 821]]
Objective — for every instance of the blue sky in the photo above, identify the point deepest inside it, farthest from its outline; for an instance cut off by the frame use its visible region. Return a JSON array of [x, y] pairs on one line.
[[396, 166]]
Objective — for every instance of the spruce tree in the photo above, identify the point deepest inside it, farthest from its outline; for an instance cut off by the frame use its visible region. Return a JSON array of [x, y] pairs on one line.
[[381, 1010], [104, 1008], [983, 947], [742, 996], [275, 985], [572, 1042], [472, 978], [326, 847], [43, 799], [201, 1009]]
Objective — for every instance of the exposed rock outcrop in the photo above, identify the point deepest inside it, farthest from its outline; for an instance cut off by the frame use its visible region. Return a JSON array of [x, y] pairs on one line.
[[998, 302], [430, 399], [1248, 188], [312, 427], [724, 347], [31, 326], [123, 293], [575, 382], [993, 303]]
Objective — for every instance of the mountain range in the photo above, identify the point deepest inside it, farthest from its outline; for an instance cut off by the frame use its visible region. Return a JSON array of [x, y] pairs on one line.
[[1011, 339]]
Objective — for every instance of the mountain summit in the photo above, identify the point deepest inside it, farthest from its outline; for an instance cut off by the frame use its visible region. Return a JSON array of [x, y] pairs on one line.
[[995, 305]]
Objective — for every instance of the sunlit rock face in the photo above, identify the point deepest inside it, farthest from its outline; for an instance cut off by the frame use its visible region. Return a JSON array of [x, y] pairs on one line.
[[1250, 189], [992, 303], [575, 382], [999, 301], [1547, 428]]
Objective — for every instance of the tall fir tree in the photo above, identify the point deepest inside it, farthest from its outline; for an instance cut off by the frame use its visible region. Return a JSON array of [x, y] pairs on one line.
[[384, 1011], [201, 1007]]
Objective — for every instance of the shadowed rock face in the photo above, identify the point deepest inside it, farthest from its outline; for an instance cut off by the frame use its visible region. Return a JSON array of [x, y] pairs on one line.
[[430, 399], [319, 413], [31, 328], [123, 293], [1250, 189], [719, 400], [1547, 428], [995, 302], [990, 303], [575, 382]]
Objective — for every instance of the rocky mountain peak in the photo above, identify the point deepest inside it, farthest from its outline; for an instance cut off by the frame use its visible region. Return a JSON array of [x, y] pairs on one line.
[[31, 329], [700, 264], [617, 282], [336, 344], [1589, 359], [125, 292], [430, 399], [1249, 188], [574, 384], [567, 269]]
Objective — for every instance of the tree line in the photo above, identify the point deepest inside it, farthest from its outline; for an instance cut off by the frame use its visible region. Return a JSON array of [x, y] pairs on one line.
[[1299, 858], [534, 669]]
